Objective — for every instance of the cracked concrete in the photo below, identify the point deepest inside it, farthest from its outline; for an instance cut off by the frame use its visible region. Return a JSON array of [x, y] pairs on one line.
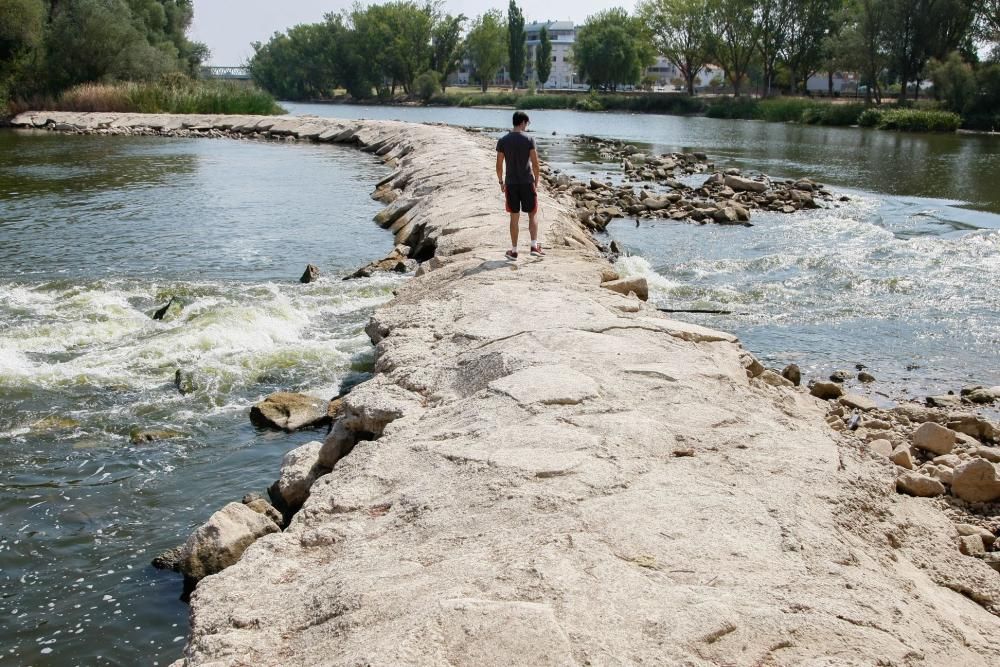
[[563, 476]]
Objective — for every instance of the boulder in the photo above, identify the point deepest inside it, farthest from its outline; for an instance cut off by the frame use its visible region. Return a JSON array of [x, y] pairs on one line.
[[902, 456], [881, 447], [793, 374], [865, 377], [973, 425], [966, 529], [751, 364], [839, 376], [310, 275], [636, 284], [169, 559], [826, 390], [298, 472], [774, 379], [919, 485], [858, 402], [983, 396], [261, 506], [220, 541], [289, 412], [976, 481], [989, 453], [934, 438], [971, 545], [944, 401], [741, 184], [726, 215]]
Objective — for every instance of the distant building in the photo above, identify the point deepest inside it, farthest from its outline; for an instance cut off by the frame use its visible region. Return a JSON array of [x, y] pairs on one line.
[[843, 83], [562, 34], [665, 73]]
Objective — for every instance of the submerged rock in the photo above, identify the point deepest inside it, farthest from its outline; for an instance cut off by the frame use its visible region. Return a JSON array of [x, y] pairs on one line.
[[793, 374]]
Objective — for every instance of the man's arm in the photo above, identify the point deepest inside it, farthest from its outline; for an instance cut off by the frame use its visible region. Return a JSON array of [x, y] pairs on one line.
[[534, 166], [500, 168]]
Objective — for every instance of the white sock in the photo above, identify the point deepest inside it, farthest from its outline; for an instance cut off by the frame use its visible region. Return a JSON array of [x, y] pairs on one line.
[[535, 243], [513, 248]]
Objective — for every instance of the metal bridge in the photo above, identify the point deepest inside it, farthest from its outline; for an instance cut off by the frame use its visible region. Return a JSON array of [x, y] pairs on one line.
[[231, 73]]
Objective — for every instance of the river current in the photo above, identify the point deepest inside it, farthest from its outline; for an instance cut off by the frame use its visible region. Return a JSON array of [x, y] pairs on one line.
[[96, 233]]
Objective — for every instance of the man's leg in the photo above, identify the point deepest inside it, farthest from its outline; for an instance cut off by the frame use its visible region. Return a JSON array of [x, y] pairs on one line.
[[514, 217], [533, 228]]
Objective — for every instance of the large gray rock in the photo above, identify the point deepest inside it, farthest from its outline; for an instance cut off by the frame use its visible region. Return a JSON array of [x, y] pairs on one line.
[[934, 438], [220, 541], [976, 481], [299, 470], [290, 411], [739, 184]]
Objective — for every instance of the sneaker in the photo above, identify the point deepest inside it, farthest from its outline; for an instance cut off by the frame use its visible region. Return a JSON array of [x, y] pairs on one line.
[[536, 250], [511, 254]]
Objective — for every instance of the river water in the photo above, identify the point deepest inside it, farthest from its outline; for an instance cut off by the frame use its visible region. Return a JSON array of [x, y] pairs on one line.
[[901, 279], [96, 233]]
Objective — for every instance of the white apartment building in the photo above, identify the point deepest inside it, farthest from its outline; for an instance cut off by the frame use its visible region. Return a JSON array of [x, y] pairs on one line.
[[562, 35], [665, 73]]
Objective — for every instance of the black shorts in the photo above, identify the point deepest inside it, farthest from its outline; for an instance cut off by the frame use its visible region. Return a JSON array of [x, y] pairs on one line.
[[521, 197]]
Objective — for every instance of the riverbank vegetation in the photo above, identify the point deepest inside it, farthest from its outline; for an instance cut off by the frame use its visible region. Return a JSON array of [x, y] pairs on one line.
[[110, 55], [769, 48], [170, 95]]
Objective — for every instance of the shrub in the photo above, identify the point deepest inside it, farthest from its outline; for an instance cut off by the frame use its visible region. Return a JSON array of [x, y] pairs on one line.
[[910, 120], [427, 85], [832, 114], [732, 107], [783, 110], [589, 104]]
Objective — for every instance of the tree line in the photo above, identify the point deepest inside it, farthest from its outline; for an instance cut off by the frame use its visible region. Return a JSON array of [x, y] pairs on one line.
[[47, 46], [772, 44]]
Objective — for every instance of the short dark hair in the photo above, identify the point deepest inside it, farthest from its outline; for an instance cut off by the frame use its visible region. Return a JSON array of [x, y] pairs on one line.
[[520, 117]]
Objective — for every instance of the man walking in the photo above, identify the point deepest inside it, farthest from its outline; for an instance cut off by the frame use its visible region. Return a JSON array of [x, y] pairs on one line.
[[520, 189]]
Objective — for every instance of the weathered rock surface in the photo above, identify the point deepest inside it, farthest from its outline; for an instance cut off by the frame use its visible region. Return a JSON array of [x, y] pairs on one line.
[[934, 438], [826, 390], [976, 481], [289, 411], [499, 516], [310, 275], [299, 469], [635, 284], [916, 484], [219, 542]]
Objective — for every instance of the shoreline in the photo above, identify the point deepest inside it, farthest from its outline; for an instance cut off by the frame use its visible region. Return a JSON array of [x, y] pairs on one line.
[[543, 470]]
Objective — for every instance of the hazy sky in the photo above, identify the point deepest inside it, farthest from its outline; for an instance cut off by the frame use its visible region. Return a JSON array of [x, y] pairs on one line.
[[229, 27]]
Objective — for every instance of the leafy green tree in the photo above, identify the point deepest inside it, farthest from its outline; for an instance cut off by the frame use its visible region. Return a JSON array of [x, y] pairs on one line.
[[862, 40], [427, 84], [486, 44], [680, 34], [954, 82], [543, 57], [301, 63], [22, 31], [773, 21], [446, 46], [809, 42], [395, 39], [737, 34], [515, 45], [612, 49]]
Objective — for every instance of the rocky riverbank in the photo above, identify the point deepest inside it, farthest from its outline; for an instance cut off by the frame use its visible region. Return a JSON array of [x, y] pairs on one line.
[[543, 471]]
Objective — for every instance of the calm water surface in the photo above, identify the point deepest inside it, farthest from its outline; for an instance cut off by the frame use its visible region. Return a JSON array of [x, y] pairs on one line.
[[96, 233]]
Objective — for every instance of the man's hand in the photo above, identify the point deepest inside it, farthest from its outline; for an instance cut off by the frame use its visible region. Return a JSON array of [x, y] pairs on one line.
[[503, 188]]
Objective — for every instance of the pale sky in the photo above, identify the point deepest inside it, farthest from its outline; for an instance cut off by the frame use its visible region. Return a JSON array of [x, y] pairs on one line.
[[229, 27]]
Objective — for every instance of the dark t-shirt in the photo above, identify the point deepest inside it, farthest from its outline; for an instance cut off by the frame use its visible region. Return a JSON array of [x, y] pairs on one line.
[[516, 147]]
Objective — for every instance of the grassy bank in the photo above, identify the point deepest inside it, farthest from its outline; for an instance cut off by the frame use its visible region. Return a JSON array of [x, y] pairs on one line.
[[164, 97], [648, 103]]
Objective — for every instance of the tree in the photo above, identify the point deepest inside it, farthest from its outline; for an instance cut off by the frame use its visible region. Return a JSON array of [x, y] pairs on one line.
[[543, 57], [395, 38], [861, 42], [612, 49], [773, 19], [680, 34], [808, 43], [954, 82], [446, 46], [301, 63], [737, 34], [485, 44], [22, 29], [515, 45]]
